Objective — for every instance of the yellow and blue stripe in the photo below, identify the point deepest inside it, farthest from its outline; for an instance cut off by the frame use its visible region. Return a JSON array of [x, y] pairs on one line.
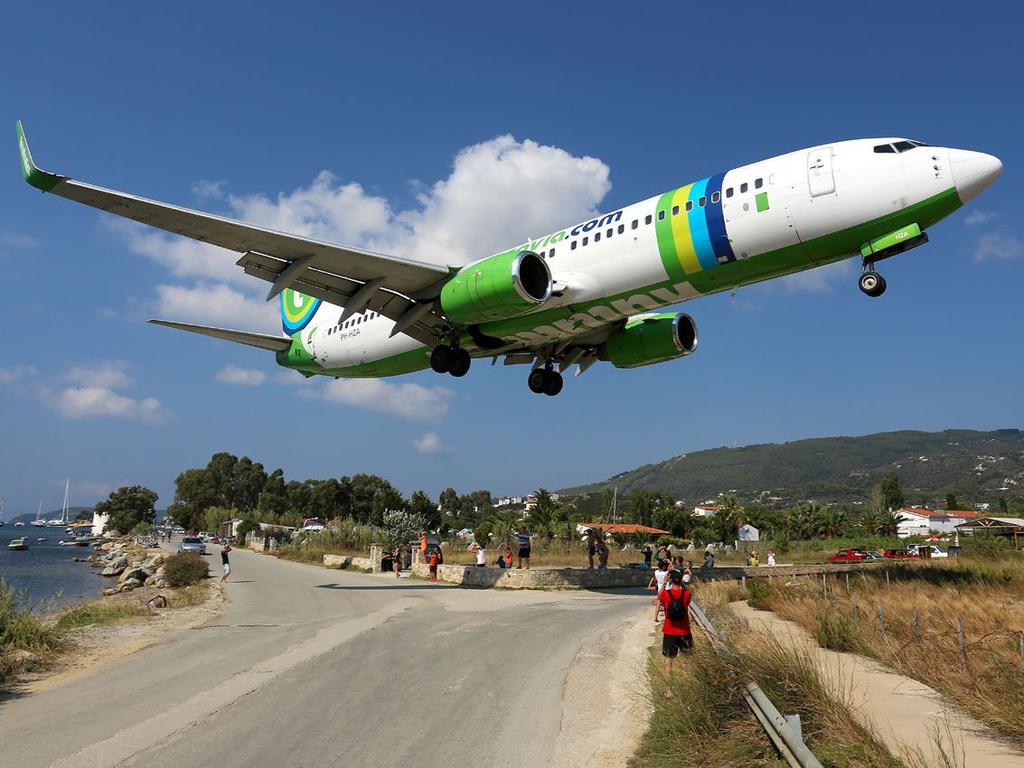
[[696, 240]]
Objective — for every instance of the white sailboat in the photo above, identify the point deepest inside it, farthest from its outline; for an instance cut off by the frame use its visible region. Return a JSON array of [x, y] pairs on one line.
[[62, 521], [37, 522]]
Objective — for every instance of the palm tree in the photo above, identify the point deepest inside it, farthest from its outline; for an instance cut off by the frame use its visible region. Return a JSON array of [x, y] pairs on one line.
[[889, 523], [727, 519], [831, 522]]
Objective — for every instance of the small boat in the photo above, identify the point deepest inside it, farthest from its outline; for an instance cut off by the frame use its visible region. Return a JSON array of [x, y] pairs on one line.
[[19, 524], [40, 538], [18, 544]]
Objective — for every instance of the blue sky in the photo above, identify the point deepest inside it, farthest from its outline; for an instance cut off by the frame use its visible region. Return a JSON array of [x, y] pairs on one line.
[[419, 112]]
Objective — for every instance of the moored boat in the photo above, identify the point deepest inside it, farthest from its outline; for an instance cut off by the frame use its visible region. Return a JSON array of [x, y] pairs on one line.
[[18, 544]]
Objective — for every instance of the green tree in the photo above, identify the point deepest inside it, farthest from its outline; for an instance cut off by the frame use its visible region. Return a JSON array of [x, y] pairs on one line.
[[194, 491], [400, 527], [727, 519], [888, 495], [888, 523], [951, 501], [128, 506], [421, 504], [831, 522]]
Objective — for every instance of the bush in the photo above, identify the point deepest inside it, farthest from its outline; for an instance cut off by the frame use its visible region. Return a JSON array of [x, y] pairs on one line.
[[141, 529], [836, 631], [185, 568]]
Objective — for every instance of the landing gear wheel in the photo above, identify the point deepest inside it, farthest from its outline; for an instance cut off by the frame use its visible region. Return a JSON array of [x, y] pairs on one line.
[[441, 358], [872, 283], [537, 379], [460, 362], [552, 383]]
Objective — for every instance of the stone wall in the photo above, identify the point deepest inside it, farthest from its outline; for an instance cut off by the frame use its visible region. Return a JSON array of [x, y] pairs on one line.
[[584, 578], [347, 561]]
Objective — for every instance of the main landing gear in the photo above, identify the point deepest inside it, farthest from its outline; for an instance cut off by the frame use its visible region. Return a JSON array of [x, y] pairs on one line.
[[545, 381], [871, 283], [447, 359]]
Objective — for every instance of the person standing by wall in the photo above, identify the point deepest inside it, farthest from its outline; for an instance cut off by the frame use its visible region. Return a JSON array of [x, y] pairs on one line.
[[647, 553], [435, 559], [481, 554], [602, 555], [524, 547], [591, 548], [675, 599], [658, 582]]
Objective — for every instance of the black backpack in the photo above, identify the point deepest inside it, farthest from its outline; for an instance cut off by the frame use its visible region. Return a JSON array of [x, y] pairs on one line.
[[676, 607]]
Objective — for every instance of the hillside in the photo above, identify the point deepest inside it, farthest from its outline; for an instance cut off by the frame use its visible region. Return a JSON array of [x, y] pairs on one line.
[[976, 466]]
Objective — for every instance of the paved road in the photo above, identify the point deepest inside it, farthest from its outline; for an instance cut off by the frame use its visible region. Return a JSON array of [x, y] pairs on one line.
[[312, 667]]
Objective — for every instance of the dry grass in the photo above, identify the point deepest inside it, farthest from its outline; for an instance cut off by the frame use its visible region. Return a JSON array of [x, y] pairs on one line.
[[912, 625], [707, 721]]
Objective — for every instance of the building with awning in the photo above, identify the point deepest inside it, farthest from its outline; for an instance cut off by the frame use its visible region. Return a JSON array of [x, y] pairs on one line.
[[997, 526]]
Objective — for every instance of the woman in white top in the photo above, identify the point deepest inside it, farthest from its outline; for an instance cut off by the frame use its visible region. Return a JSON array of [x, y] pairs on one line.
[[481, 555], [658, 580]]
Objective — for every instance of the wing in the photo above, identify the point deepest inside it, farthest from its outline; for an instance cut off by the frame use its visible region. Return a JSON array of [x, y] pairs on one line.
[[401, 289]]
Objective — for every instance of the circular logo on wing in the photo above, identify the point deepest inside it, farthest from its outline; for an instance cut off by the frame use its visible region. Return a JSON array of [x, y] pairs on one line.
[[297, 309]]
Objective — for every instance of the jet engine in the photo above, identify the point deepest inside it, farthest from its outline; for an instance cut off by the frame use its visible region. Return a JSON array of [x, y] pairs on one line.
[[650, 338], [497, 288]]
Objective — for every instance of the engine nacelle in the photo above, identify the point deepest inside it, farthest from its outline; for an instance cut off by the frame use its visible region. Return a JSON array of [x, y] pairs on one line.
[[497, 288], [651, 338]]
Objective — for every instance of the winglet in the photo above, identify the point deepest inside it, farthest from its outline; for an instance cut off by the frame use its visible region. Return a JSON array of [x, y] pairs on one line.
[[35, 176]]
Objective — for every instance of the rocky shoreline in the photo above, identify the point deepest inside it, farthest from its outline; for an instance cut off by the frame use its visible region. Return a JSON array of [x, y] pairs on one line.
[[134, 563]]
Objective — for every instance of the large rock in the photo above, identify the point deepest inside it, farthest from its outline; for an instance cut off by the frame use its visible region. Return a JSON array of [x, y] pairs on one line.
[[109, 591], [128, 586], [135, 572]]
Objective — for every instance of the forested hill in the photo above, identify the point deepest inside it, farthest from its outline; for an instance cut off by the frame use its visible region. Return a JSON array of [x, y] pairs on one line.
[[976, 466]]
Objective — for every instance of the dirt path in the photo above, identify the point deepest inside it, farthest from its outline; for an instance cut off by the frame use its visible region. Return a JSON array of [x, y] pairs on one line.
[[606, 702], [906, 714]]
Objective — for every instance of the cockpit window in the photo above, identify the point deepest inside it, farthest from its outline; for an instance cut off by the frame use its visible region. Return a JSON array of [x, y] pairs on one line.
[[882, 148], [904, 146]]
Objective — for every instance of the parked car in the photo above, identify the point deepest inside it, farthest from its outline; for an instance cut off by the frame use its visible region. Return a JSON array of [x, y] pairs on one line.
[[899, 554], [873, 555], [192, 544], [849, 556], [918, 550]]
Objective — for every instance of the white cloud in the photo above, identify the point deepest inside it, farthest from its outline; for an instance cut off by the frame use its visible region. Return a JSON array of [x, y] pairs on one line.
[[184, 258], [977, 217], [18, 241], [108, 374], [217, 304], [102, 402], [999, 247], [247, 377], [11, 375], [429, 443], [207, 189], [411, 402], [818, 280]]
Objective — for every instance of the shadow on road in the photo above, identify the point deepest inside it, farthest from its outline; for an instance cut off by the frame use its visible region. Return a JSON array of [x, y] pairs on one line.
[[386, 586]]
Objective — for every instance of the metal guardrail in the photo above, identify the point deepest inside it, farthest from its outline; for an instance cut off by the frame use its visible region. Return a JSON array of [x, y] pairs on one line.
[[783, 731]]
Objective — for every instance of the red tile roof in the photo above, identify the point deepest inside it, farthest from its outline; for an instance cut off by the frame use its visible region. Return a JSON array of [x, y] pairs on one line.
[[624, 528]]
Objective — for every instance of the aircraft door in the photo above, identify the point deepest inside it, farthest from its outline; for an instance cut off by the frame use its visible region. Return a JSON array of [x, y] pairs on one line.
[[821, 179]]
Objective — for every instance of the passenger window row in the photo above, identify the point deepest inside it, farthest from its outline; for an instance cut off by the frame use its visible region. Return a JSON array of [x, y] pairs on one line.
[[353, 321]]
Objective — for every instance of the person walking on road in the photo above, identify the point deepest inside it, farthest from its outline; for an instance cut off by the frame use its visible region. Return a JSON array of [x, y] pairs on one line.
[[675, 599], [524, 547], [396, 561], [225, 564]]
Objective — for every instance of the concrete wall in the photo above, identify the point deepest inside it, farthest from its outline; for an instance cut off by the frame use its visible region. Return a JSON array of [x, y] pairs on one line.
[[584, 578]]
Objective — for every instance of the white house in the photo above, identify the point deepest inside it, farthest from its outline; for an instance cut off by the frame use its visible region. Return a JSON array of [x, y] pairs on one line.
[[707, 509], [921, 521]]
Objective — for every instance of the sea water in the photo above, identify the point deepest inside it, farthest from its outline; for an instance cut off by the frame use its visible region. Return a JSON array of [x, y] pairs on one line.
[[45, 574]]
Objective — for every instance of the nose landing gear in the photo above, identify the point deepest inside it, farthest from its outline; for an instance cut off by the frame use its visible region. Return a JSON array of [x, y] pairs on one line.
[[871, 283], [545, 381]]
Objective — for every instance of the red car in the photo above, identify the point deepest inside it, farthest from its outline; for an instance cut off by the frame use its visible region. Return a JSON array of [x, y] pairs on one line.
[[899, 554], [849, 556]]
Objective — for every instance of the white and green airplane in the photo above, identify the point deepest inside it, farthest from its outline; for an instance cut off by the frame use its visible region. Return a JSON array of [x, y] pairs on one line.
[[591, 291]]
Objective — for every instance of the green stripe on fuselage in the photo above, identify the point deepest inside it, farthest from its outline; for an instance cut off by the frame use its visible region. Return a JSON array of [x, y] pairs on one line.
[[666, 242]]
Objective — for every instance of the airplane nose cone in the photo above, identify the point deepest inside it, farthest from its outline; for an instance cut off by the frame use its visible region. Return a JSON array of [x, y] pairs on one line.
[[973, 172]]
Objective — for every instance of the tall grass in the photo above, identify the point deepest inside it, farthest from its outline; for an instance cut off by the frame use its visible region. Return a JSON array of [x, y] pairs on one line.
[[913, 624], [26, 641], [707, 722]]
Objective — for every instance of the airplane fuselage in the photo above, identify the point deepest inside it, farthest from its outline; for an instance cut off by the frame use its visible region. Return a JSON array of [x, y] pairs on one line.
[[782, 215]]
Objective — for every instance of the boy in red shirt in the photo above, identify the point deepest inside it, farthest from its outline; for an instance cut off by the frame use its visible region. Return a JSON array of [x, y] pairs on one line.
[[435, 558], [675, 600]]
